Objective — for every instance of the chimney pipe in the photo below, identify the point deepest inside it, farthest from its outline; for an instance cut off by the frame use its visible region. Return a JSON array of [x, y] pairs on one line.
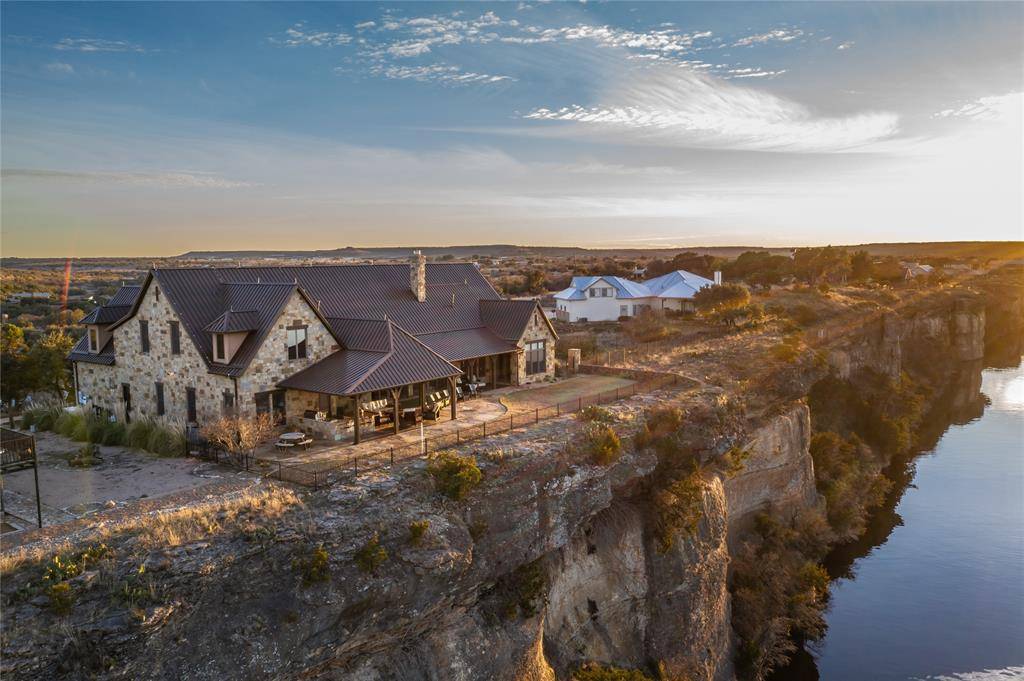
[[418, 275], [718, 277]]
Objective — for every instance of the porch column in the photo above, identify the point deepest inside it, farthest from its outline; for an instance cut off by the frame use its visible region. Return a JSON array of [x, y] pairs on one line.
[[395, 392], [356, 417], [454, 395], [494, 371]]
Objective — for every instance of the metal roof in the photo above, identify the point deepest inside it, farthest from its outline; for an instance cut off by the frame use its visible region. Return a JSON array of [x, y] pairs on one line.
[[678, 284], [234, 322], [80, 353], [352, 372], [466, 344], [624, 288], [508, 319], [106, 314]]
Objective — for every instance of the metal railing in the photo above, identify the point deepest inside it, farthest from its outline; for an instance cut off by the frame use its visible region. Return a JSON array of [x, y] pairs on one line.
[[319, 475]]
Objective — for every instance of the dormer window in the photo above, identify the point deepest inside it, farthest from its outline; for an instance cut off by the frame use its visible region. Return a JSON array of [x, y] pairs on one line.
[[218, 348], [94, 339]]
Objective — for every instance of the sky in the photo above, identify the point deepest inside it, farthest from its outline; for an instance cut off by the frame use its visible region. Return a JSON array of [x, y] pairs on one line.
[[152, 129]]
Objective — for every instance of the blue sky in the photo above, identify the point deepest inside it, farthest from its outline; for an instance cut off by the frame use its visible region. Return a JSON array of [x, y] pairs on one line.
[[152, 129]]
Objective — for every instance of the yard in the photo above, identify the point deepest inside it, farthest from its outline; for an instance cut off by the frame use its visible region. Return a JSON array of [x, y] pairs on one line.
[[121, 476], [567, 390]]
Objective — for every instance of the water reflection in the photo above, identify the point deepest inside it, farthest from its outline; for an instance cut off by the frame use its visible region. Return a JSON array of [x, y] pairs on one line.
[[961, 552]]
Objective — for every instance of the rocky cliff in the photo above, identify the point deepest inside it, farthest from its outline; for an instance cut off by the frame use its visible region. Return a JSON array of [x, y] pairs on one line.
[[550, 563]]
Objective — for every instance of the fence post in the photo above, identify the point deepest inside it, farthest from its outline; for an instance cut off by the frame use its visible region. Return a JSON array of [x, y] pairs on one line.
[[485, 428], [458, 436], [579, 407], [510, 426], [279, 471], [536, 415], [355, 465], [392, 457], [558, 408]]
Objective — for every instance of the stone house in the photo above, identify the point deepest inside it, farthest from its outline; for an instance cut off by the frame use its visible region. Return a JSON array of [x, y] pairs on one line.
[[306, 344]]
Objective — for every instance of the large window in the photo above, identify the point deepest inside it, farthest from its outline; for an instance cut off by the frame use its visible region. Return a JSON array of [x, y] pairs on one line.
[[297, 343], [175, 338], [144, 334], [94, 339], [190, 404], [159, 399], [218, 347], [536, 357]]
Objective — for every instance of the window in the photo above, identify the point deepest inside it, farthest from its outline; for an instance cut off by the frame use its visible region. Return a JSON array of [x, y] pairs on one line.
[[593, 293], [126, 397], [536, 357], [94, 339], [190, 402], [297, 343], [605, 292], [218, 347], [623, 310], [175, 338], [159, 399], [229, 403], [144, 334]]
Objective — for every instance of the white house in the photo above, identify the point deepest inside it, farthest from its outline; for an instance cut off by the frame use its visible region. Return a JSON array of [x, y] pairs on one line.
[[607, 298]]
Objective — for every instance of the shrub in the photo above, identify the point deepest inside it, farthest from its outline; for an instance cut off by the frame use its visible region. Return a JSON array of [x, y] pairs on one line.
[[314, 567], [595, 414], [61, 598], [647, 326], [44, 418], [138, 432], [722, 297], [678, 508], [372, 555], [477, 529], [454, 476], [113, 433], [591, 671], [97, 429], [417, 529], [521, 592], [659, 422], [164, 441], [67, 423], [734, 460], [80, 431], [85, 457], [600, 443]]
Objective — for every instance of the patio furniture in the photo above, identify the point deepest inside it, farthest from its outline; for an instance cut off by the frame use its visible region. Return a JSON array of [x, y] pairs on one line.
[[283, 446], [375, 411], [435, 403], [410, 416]]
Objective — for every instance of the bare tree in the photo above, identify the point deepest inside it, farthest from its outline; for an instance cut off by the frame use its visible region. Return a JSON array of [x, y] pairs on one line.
[[239, 434]]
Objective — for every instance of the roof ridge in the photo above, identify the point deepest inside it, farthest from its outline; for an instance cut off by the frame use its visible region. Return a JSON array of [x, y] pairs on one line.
[[376, 365]]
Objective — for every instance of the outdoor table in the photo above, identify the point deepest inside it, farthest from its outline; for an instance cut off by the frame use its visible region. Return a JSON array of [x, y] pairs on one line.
[[290, 437]]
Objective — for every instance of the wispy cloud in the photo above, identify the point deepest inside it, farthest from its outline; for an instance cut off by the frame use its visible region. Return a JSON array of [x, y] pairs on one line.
[[751, 72], [781, 35], [992, 108], [165, 180], [97, 45], [687, 109], [60, 67], [845, 46], [442, 73], [299, 36]]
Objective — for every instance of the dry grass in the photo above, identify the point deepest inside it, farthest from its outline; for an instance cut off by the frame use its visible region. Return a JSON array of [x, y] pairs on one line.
[[166, 528]]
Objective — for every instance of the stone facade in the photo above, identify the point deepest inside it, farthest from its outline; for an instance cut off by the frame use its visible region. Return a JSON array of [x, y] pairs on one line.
[[142, 371], [536, 330]]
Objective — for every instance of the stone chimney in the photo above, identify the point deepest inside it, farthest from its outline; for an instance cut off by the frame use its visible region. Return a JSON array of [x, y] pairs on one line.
[[418, 275]]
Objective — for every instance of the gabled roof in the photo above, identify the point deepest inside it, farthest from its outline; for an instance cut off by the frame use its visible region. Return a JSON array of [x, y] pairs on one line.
[[119, 305], [624, 288], [80, 353], [351, 372], [678, 284], [508, 319], [235, 322]]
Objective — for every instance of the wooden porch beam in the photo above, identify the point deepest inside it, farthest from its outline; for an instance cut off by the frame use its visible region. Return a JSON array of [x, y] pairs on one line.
[[357, 417], [454, 397], [395, 392]]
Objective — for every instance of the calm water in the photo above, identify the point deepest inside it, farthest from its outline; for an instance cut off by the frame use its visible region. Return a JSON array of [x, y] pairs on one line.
[[935, 590]]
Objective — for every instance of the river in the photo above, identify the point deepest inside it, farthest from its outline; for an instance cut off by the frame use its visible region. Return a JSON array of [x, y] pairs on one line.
[[935, 588]]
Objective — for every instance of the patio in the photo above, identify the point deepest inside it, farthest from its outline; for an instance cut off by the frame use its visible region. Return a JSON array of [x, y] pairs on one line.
[[492, 406]]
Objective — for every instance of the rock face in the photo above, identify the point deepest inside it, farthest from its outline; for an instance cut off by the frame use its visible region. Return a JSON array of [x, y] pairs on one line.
[[779, 470]]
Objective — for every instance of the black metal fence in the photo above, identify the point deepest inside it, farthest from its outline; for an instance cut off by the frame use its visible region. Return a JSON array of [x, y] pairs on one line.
[[319, 475], [18, 453]]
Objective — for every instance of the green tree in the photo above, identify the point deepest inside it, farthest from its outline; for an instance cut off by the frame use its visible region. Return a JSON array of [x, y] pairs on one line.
[[48, 359], [712, 299], [861, 266], [13, 363]]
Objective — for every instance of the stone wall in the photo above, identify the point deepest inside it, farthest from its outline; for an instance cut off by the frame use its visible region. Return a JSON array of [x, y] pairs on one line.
[[536, 330], [102, 384]]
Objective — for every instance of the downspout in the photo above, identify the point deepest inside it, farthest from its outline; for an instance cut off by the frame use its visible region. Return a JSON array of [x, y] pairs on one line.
[[234, 380], [74, 376]]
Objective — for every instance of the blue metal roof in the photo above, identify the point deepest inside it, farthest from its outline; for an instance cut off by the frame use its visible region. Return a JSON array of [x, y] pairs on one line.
[[624, 288], [678, 284]]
